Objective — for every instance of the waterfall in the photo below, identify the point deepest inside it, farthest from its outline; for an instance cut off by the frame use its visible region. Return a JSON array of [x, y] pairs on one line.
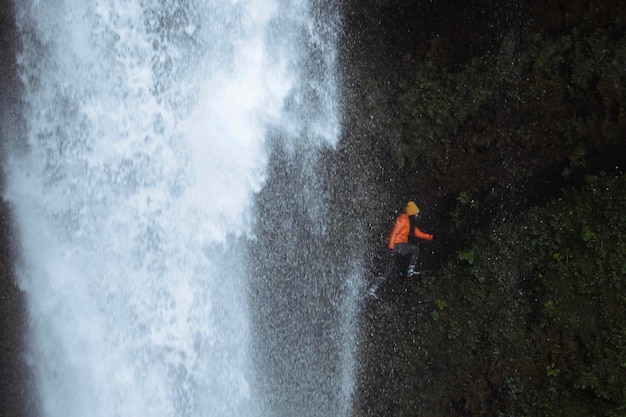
[[147, 130]]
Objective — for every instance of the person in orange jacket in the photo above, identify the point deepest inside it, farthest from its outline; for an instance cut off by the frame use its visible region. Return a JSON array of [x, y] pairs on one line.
[[402, 241], [404, 236]]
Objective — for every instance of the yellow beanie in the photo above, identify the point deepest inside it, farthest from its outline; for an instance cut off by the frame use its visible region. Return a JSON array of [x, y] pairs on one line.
[[411, 208]]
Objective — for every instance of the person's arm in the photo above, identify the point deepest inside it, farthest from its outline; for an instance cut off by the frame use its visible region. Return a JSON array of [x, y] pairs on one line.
[[422, 235]]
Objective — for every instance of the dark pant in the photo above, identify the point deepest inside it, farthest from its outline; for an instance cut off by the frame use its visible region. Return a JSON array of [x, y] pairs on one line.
[[402, 249], [407, 249]]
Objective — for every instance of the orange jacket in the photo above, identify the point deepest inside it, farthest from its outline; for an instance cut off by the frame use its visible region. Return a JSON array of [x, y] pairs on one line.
[[401, 230]]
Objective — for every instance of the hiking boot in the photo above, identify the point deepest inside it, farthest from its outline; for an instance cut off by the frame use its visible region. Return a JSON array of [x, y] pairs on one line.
[[413, 273], [371, 292]]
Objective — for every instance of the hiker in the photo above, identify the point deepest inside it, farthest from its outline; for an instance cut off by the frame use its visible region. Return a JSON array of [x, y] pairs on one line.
[[404, 236], [402, 241]]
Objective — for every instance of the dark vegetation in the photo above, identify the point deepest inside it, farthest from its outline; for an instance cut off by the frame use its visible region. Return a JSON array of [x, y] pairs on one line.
[[506, 122]]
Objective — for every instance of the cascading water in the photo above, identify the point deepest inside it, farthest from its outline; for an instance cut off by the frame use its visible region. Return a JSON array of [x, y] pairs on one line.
[[147, 129]]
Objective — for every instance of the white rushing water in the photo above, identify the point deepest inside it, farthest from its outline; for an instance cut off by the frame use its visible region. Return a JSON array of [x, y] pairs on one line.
[[131, 179]]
